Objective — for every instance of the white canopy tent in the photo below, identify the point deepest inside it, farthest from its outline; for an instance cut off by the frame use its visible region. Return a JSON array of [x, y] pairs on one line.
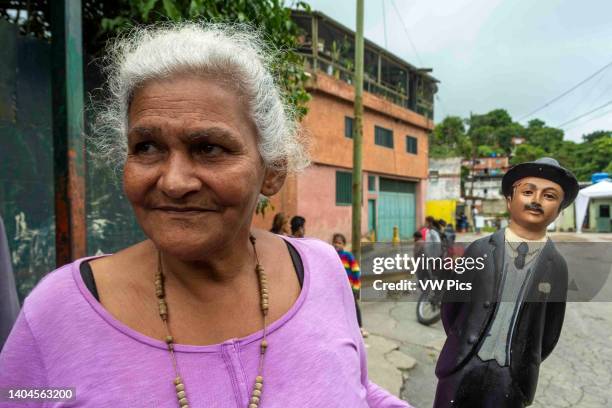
[[601, 189]]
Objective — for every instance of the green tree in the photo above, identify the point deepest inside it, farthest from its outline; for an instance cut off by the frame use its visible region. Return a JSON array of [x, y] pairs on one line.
[[503, 136], [449, 139], [593, 136], [104, 19], [567, 154], [526, 152], [545, 137], [272, 16], [496, 118], [593, 157]]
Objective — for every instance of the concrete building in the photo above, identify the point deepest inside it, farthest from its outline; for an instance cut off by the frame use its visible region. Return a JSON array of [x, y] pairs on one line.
[[398, 112], [483, 187], [444, 188]]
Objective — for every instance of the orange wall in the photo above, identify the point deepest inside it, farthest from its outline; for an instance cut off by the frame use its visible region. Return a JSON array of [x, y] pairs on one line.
[[324, 124]]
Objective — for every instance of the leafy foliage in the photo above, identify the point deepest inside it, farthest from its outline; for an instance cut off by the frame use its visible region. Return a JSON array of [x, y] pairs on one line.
[[492, 133], [273, 17], [449, 139], [104, 19]]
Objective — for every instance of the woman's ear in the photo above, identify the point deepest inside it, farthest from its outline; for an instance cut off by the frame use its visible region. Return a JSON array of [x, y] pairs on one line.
[[273, 181]]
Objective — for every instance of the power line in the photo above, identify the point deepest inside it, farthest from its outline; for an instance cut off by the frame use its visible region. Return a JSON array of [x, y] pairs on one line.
[[566, 92], [407, 33], [384, 16], [605, 113], [585, 114]]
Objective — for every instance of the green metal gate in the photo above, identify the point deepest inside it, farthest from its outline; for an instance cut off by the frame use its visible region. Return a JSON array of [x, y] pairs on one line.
[[396, 207]]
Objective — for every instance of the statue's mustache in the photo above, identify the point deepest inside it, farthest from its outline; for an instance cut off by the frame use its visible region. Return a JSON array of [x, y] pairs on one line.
[[534, 207]]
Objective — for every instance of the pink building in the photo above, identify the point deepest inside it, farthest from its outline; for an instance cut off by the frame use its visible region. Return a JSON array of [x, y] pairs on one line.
[[396, 122]]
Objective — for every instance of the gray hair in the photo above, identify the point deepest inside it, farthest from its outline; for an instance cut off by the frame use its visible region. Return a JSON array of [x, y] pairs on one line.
[[234, 52]]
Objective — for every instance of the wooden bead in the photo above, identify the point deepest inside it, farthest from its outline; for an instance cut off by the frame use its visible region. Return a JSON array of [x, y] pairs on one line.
[[254, 400], [169, 339], [183, 402], [259, 268], [181, 394], [259, 379], [180, 387], [264, 291], [258, 386], [256, 393], [264, 296], [178, 380], [253, 406]]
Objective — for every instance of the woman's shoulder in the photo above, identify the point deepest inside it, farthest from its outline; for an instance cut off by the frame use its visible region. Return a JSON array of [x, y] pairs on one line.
[[313, 247], [56, 290]]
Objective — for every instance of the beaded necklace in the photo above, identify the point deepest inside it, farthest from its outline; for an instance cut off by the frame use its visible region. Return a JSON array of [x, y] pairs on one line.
[[163, 313]]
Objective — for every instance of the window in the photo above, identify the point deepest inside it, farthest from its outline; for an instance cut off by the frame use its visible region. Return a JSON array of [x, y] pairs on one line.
[[383, 137], [344, 188], [371, 183], [411, 144], [348, 127]]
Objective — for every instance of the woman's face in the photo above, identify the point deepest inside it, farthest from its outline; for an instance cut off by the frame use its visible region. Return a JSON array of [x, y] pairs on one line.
[[193, 172]]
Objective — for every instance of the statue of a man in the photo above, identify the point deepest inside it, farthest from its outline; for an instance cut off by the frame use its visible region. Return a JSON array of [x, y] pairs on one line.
[[510, 321]]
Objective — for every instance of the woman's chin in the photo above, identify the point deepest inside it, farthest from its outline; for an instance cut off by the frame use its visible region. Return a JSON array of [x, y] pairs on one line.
[[186, 246]]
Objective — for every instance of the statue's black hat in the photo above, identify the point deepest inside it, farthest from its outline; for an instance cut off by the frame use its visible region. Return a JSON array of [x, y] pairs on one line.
[[546, 168]]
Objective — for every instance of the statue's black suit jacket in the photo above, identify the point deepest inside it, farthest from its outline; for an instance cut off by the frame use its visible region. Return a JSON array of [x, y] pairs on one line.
[[540, 316]]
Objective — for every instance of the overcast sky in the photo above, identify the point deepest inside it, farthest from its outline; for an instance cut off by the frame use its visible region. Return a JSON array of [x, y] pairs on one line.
[[512, 54]]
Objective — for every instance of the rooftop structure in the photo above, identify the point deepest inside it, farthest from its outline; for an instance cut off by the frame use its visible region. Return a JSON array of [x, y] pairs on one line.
[[385, 74]]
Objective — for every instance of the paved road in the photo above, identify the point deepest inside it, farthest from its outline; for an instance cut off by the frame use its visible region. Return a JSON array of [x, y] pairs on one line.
[[577, 374], [403, 353]]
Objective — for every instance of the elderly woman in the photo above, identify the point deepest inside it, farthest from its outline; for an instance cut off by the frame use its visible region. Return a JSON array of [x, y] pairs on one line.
[[207, 312]]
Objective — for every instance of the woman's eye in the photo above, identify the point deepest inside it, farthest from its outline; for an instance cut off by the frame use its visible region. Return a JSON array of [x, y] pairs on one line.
[[144, 148], [209, 149], [527, 192]]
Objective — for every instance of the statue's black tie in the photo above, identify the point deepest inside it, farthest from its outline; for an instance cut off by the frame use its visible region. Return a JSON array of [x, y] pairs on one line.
[[519, 261]]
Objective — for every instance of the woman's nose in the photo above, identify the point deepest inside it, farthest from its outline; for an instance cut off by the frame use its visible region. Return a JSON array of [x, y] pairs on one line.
[[179, 177]]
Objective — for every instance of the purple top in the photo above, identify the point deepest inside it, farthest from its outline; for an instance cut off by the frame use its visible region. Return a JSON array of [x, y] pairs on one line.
[[64, 338]]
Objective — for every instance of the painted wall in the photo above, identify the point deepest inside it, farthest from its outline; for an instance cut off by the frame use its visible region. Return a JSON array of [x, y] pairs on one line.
[[442, 209], [317, 203], [445, 184], [594, 204], [566, 221], [332, 100]]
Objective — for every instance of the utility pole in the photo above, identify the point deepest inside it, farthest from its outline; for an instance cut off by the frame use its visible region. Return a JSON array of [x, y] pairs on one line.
[[358, 136], [68, 123]]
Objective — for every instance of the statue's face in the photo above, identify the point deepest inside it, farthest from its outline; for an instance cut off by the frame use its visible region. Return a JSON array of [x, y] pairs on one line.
[[535, 203]]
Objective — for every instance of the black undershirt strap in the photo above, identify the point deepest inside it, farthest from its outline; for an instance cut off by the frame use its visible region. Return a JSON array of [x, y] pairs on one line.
[[87, 273]]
